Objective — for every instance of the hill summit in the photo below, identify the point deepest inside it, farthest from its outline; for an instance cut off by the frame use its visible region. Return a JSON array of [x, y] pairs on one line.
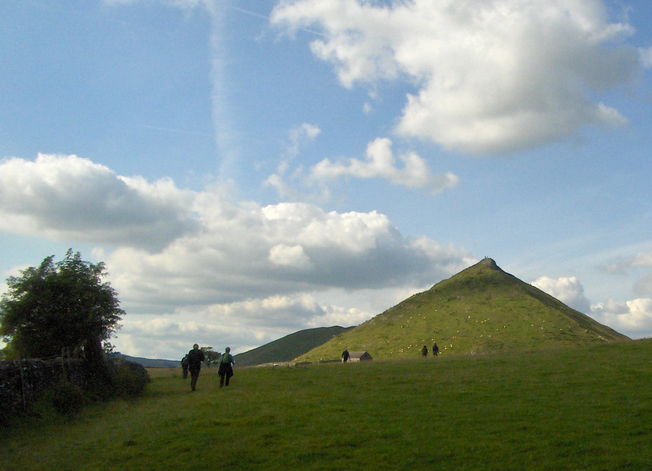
[[481, 309]]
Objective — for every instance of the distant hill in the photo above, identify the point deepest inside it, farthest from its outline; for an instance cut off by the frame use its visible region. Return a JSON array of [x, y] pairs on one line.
[[481, 309], [149, 362], [289, 347]]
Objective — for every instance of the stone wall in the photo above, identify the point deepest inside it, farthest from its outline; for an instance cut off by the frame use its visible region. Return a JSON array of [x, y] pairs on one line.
[[22, 381]]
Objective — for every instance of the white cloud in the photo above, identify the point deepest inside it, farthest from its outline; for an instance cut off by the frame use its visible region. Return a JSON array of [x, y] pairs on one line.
[[248, 322], [492, 75], [380, 163], [642, 259], [176, 247], [192, 266], [276, 311], [244, 250], [633, 318], [65, 196], [643, 285], [636, 263], [567, 289], [294, 189], [289, 256], [630, 317], [646, 57], [298, 137]]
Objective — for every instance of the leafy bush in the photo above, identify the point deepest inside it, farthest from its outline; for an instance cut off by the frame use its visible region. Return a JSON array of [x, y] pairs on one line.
[[129, 379], [66, 398]]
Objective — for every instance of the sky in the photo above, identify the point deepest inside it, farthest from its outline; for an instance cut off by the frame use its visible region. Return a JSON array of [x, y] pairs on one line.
[[250, 168]]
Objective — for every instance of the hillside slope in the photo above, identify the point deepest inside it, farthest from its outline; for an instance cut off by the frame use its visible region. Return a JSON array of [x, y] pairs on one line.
[[150, 362], [289, 347], [481, 309]]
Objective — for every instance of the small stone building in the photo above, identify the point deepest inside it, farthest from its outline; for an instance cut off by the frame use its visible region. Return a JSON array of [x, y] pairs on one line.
[[359, 356]]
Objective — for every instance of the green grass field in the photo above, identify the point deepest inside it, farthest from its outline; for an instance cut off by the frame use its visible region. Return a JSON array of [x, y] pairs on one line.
[[586, 408]]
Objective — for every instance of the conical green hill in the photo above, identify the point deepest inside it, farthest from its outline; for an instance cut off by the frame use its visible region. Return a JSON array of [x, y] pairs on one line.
[[481, 309]]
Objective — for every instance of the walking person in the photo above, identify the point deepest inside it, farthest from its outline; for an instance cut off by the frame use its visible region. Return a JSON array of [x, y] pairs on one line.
[[195, 357], [184, 366], [424, 351], [345, 355], [435, 350], [226, 367]]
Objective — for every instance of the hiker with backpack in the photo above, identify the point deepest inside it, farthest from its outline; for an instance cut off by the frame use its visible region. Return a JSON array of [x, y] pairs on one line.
[[225, 369]]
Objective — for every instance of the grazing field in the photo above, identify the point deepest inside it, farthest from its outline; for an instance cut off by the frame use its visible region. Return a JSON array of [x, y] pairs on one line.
[[586, 408]]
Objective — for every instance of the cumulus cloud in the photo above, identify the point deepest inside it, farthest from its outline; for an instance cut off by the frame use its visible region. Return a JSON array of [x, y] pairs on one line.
[[196, 261], [646, 57], [380, 163], [633, 317], [298, 137], [492, 75], [243, 324], [567, 289], [636, 263], [289, 256], [641, 259], [175, 246], [68, 197], [643, 285], [301, 134], [630, 317], [246, 250]]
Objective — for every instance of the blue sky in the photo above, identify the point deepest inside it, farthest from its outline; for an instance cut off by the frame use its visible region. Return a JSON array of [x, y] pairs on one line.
[[250, 168]]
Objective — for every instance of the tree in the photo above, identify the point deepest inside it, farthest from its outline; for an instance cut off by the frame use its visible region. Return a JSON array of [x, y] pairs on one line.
[[62, 307], [212, 357]]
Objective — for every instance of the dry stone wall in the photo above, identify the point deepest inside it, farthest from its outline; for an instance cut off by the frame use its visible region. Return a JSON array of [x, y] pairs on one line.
[[21, 381]]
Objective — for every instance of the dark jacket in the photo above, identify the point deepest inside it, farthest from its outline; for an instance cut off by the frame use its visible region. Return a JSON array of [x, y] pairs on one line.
[[195, 357]]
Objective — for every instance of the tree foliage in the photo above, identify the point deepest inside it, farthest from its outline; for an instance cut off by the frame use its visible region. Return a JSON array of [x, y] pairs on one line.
[[212, 357], [59, 307]]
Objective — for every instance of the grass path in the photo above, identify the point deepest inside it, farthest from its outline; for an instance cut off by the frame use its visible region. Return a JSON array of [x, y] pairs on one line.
[[581, 409]]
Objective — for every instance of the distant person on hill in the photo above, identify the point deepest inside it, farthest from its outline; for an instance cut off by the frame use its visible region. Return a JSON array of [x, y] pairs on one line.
[[184, 366], [345, 355], [424, 351], [195, 357], [435, 350], [226, 367]]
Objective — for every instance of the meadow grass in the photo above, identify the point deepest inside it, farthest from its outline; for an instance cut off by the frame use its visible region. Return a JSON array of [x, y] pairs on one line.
[[586, 408]]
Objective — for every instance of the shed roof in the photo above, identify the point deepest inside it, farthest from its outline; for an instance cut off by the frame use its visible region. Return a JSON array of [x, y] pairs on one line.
[[359, 354]]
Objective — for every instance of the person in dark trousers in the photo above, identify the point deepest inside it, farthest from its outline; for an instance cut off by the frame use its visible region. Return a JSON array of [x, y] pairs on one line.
[[226, 367], [345, 356], [435, 350], [195, 357], [424, 351], [184, 366]]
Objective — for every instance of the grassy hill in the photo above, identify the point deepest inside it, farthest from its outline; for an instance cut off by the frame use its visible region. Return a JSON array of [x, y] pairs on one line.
[[150, 362], [289, 347], [566, 409], [481, 309]]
